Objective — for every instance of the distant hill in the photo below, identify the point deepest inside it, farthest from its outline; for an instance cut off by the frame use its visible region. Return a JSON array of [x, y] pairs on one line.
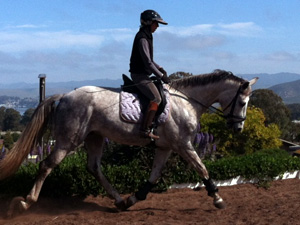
[[285, 85], [31, 90], [289, 91], [268, 80]]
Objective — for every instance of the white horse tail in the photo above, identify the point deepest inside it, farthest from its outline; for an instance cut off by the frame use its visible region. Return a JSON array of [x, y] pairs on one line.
[[29, 137]]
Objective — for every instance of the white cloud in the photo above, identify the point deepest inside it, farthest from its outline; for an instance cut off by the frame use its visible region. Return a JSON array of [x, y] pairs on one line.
[[68, 55], [187, 31], [240, 29], [197, 36], [118, 34], [25, 26], [28, 41], [232, 29], [168, 42], [203, 37], [281, 56]]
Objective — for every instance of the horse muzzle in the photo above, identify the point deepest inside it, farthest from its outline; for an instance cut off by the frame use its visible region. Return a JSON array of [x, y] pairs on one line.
[[236, 123]]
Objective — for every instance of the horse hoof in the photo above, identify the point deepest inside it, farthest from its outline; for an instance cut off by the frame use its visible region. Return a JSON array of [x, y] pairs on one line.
[[23, 206], [15, 205], [121, 205], [219, 203], [131, 200]]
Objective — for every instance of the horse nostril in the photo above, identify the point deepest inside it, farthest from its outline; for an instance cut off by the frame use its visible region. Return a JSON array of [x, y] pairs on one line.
[[239, 129]]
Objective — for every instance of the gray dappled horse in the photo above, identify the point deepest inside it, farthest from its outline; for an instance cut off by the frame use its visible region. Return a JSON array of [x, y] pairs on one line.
[[89, 114]]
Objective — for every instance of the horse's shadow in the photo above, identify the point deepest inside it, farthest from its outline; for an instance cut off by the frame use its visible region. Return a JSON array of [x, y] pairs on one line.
[[56, 206], [146, 210]]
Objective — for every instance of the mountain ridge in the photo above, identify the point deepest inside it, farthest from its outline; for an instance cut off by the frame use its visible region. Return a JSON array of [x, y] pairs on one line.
[[289, 91], [31, 90], [283, 84], [267, 80]]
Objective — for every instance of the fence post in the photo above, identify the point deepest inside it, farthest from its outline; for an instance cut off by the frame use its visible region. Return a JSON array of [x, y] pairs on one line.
[[42, 78]]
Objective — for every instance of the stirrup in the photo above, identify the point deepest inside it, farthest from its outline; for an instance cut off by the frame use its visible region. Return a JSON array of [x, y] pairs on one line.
[[148, 134]]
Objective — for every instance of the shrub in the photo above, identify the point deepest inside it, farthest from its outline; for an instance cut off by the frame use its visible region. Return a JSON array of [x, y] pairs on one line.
[[255, 136], [266, 164], [8, 140], [71, 177]]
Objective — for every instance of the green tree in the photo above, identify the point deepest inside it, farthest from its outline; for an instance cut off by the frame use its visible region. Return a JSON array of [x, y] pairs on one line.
[[294, 110], [274, 109], [2, 113], [8, 140], [11, 120], [27, 116], [255, 136], [179, 75], [295, 132], [15, 136]]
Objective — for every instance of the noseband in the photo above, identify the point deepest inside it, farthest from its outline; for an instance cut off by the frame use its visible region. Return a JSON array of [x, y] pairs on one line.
[[230, 116]]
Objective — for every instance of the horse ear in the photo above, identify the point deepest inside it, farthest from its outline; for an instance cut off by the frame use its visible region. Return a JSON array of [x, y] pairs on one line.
[[253, 81], [248, 83]]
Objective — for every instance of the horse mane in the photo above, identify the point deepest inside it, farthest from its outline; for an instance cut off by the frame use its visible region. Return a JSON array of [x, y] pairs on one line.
[[203, 79]]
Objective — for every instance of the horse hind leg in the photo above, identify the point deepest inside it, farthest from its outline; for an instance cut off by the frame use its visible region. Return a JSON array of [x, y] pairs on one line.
[[45, 168], [94, 144], [160, 159]]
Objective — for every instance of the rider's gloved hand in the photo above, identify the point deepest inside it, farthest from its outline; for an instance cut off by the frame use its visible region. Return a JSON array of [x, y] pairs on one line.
[[163, 71], [165, 77]]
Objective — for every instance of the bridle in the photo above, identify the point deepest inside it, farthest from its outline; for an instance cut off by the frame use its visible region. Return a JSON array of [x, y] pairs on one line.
[[230, 117]]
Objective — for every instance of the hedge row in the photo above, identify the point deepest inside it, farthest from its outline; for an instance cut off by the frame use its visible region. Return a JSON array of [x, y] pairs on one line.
[[130, 168]]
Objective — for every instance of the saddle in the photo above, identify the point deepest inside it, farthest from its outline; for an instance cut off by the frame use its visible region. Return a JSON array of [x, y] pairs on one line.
[[133, 103]]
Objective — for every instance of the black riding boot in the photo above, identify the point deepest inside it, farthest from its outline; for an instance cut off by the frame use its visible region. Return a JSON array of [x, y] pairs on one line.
[[147, 121]]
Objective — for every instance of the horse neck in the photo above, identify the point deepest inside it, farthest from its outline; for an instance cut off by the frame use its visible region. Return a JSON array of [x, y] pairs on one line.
[[207, 95]]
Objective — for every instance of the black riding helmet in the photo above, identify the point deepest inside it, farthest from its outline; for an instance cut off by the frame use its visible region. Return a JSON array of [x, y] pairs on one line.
[[148, 16]]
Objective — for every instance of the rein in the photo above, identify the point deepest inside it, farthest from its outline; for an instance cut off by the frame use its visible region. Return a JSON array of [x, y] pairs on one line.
[[233, 118], [219, 112]]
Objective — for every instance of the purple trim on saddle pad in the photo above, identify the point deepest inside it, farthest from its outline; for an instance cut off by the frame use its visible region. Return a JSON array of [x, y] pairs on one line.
[[130, 109]]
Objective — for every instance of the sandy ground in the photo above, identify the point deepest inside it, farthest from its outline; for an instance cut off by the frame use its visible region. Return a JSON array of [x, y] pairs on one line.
[[246, 204]]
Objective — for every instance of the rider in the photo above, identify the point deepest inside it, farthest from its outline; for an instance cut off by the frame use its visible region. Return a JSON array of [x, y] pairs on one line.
[[142, 66]]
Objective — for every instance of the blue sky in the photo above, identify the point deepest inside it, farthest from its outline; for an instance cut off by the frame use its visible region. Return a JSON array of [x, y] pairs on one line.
[[92, 39]]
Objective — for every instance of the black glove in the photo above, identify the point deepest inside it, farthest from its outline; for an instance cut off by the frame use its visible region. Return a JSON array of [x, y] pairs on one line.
[[165, 77], [163, 71]]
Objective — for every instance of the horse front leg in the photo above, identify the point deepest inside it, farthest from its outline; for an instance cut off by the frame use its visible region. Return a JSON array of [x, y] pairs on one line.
[[159, 161], [192, 157]]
